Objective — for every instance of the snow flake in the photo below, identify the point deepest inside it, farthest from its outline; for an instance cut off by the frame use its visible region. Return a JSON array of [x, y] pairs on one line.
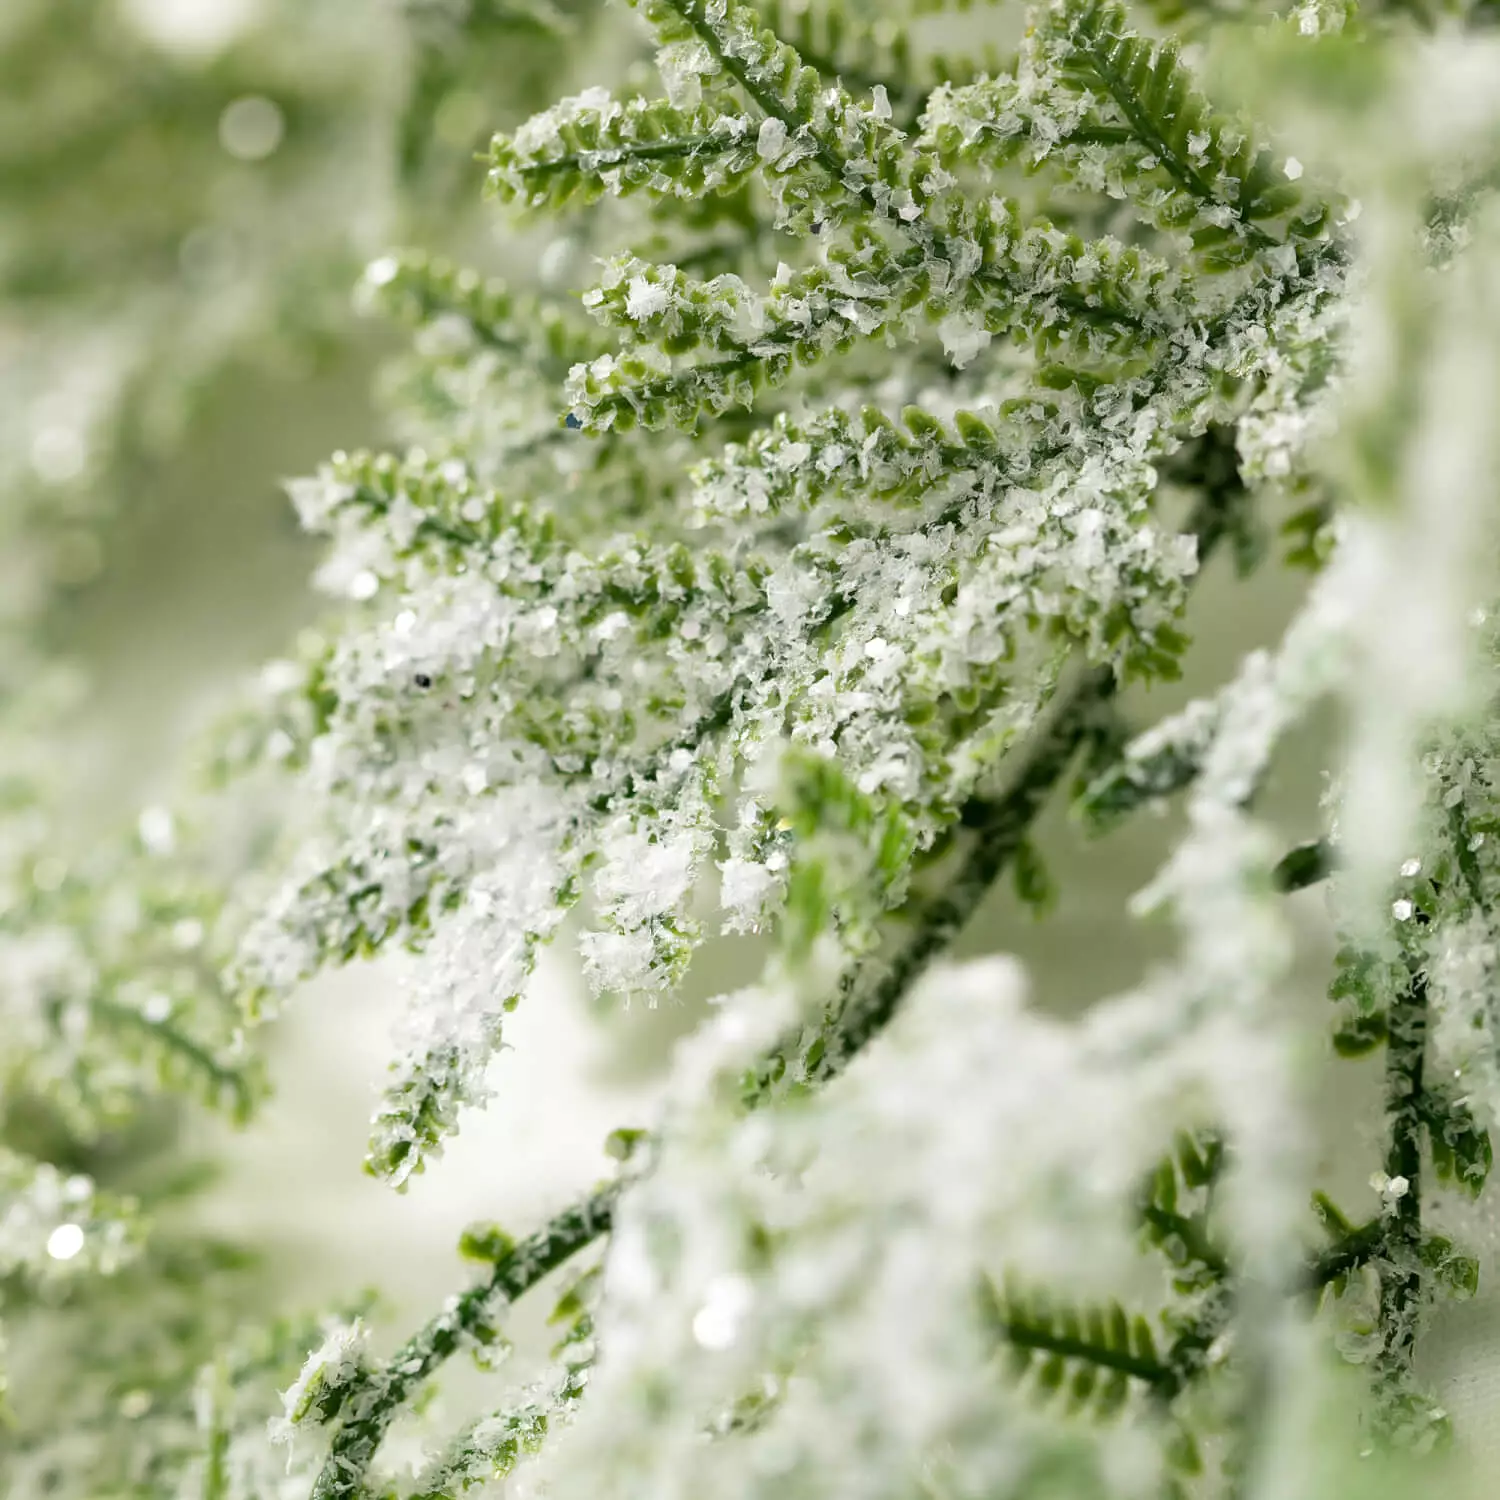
[[771, 141]]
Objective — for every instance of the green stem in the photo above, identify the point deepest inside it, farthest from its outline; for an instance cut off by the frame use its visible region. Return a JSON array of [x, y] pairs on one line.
[[1401, 1240], [216, 1446], [1047, 1341], [613, 156], [897, 92], [1347, 1254]]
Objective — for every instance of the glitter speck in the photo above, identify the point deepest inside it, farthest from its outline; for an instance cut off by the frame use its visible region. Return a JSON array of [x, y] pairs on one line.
[[59, 454], [135, 1404], [717, 1322], [384, 271], [1402, 910], [250, 128], [65, 1241], [1411, 867], [187, 933], [157, 830]]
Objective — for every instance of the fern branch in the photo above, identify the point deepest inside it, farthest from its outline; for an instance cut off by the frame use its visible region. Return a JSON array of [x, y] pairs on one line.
[[1150, 88], [999, 826], [1108, 105], [593, 144], [417, 289], [1022, 280], [867, 1003], [775, 79], [487, 1450], [846, 48], [1104, 1337], [867, 1010], [870, 995], [379, 1401], [223, 1081], [1191, 1235]]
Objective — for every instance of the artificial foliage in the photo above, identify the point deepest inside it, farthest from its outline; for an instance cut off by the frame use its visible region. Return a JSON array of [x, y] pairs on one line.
[[769, 560]]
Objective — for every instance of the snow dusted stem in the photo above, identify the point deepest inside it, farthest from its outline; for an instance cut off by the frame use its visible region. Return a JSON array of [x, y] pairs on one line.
[[375, 1404], [999, 825], [1401, 1284], [871, 995]]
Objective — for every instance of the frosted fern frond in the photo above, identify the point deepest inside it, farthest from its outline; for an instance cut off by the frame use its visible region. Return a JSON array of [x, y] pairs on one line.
[[1199, 741], [902, 53], [818, 142], [488, 1451], [1089, 1360], [855, 49], [555, 622], [1440, 919], [1097, 1358], [1175, 1210], [56, 1227], [395, 881], [851, 862], [337, 1366], [1043, 287], [250, 1436], [1162, 761], [1063, 535], [109, 981], [469, 389], [1462, 1154], [491, 1448], [419, 290], [594, 144], [1119, 113], [720, 1301]]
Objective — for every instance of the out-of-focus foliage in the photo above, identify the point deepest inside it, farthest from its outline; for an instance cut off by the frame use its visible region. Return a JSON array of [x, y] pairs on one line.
[[185, 188]]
